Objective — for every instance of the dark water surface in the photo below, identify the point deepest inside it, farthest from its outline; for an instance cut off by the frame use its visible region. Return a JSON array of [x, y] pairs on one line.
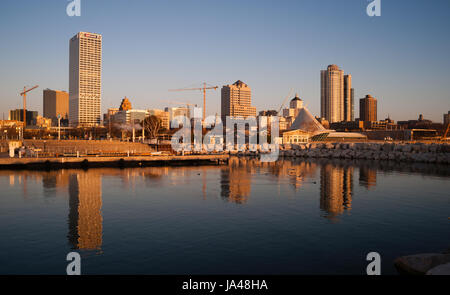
[[288, 217]]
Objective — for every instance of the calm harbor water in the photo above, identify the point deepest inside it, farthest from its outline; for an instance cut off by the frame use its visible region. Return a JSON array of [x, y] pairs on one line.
[[288, 217]]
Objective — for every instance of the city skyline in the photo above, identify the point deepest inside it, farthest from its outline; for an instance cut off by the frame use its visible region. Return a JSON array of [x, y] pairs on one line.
[[384, 68]]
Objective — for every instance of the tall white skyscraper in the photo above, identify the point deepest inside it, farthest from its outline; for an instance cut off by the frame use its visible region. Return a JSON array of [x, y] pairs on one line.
[[85, 67], [332, 94]]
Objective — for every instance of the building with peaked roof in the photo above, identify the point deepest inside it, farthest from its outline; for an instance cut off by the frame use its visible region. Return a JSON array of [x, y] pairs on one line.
[[125, 105], [306, 128], [305, 121]]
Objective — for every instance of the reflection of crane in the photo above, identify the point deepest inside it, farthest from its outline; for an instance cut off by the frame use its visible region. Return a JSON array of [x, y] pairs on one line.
[[284, 101], [24, 94], [204, 88]]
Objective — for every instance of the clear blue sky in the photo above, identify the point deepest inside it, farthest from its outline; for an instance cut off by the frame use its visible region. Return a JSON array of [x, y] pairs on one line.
[[401, 57]]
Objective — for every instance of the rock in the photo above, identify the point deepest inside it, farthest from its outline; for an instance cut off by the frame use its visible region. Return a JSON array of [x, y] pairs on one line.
[[424, 148], [440, 270], [421, 263], [407, 148], [433, 148], [398, 148], [387, 147]]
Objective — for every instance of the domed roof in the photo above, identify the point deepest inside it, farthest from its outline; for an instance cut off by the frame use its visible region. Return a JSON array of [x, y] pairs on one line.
[[296, 98], [333, 67]]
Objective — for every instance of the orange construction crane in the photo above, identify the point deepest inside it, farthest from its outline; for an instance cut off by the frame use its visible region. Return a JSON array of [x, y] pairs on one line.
[[24, 95], [204, 88]]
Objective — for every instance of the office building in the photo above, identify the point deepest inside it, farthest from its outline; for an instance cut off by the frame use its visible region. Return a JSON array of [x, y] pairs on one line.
[[236, 101], [177, 112], [332, 94], [163, 115], [129, 116], [17, 115], [56, 103], [447, 118], [368, 108], [348, 99], [85, 64]]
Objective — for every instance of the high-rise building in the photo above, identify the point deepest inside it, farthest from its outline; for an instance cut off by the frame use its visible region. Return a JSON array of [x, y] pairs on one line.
[[368, 108], [348, 98], [352, 100], [17, 115], [447, 118], [332, 94], [85, 65], [236, 101], [56, 103]]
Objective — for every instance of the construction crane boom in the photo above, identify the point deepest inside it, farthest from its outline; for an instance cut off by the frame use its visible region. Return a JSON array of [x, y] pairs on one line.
[[284, 101], [204, 88], [181, 103], [24, 95]]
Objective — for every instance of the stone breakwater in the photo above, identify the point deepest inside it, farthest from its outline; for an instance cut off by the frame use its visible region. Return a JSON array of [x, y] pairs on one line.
[[438, 153]]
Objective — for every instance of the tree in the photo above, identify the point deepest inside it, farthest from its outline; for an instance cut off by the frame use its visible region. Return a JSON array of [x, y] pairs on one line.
[[152, 126]]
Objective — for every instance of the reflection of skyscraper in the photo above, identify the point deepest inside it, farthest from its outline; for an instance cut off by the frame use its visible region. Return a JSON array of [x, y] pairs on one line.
[[336, 186], [85, 218], [236, 182], [367, 177], [296, 172]]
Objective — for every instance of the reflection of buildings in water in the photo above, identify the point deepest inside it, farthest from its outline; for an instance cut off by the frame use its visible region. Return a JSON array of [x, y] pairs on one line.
[[235, 181], [336, 187], [85, 218], [297, 173], [55, 181], [367, 177]]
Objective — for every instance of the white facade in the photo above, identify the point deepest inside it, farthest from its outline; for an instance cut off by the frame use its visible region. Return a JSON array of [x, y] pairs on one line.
[[85, 65]]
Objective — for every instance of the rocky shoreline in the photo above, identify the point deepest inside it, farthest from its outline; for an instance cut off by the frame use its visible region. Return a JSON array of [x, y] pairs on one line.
[[438, 153]]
